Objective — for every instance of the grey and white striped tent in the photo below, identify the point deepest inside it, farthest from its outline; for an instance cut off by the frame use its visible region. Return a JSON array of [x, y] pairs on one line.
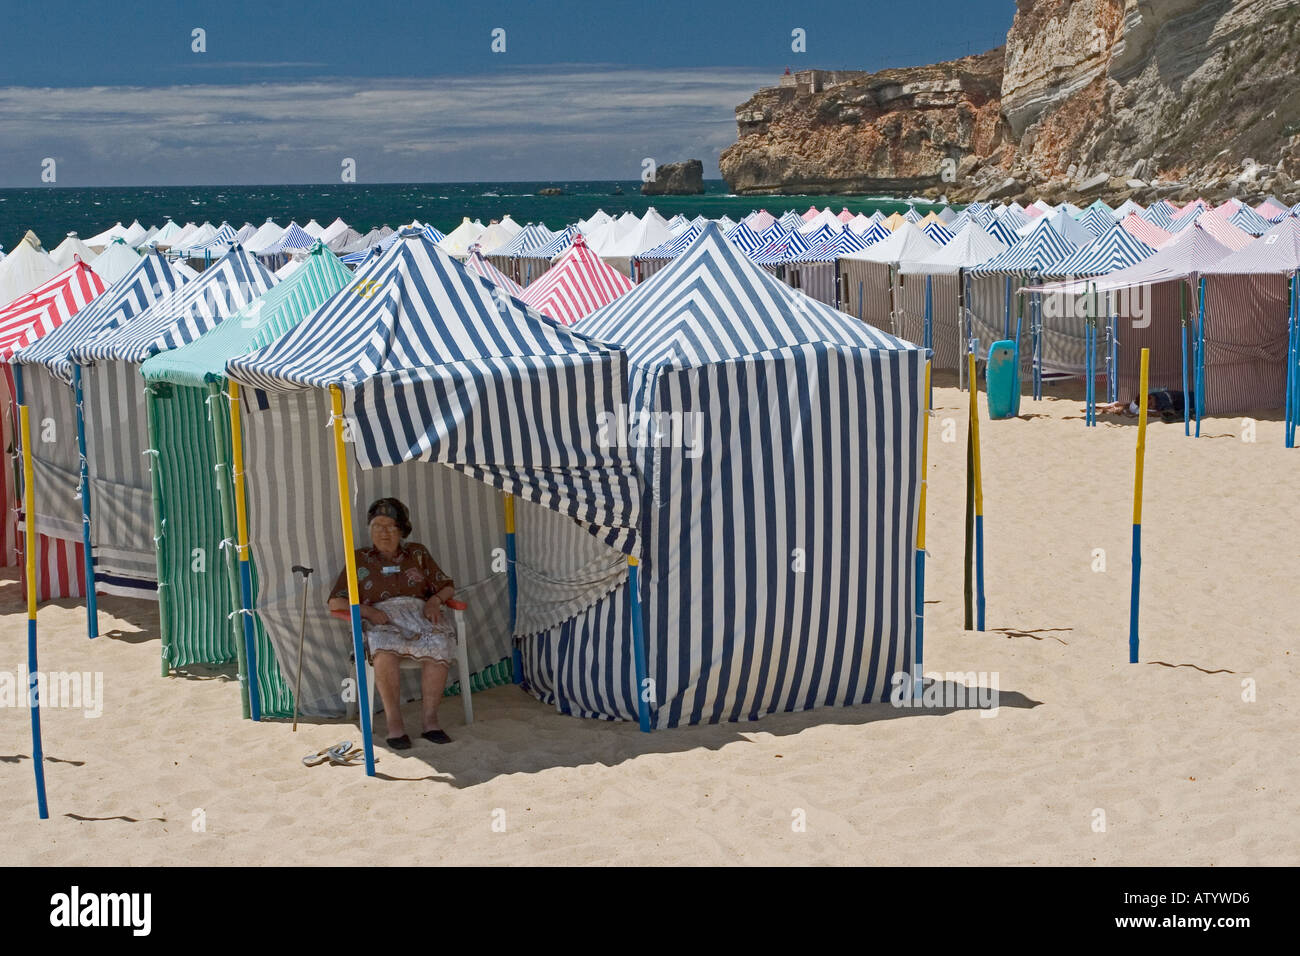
[[116, 412], [453, 393], [781, 488]]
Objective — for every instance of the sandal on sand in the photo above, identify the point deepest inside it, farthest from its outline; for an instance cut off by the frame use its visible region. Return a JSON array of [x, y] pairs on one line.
[[436, 736], [320, 756], [346, 758], [399, 743]]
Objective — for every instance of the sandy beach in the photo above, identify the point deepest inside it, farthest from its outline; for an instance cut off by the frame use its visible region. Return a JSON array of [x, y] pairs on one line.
[[1087, 760]]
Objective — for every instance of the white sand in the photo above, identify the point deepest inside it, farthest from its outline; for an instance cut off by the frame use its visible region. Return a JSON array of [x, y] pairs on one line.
[[1185, 771]]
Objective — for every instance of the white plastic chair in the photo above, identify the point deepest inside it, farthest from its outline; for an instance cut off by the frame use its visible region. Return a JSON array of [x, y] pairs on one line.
[[457, 609]]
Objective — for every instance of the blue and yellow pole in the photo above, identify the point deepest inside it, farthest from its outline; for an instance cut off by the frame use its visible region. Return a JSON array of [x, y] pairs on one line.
[[29, 567], [516, 656], [928, 336], [92, 602], [354, 597], [1135, 593], [638, 642], [920, 542], [241, 549], [977, 485]]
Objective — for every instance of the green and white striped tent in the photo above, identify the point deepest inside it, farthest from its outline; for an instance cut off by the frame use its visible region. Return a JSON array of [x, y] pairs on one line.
[[193, 486]]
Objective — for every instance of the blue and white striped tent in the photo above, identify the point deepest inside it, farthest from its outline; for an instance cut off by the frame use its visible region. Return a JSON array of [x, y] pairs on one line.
[[217, 246], [745, 239], [672, 248], [778, 570], [1129, 206], [878, 232], [791, 220], [1249, 221], [1012, 218], [938, 232], [1159, 214], [833, 247], [1115, 249], [557, 245], [533, 236], [453, 393], [816, 272], [912, 215], [981, 213], [960, 221], [1179, 223], [1000, 231], [992, 305], [782, 250], [821, 234], [1098, 220], [293, 238], [116, 414]]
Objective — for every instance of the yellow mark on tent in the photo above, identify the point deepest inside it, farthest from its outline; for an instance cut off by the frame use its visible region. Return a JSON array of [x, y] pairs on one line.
[[367, 288]]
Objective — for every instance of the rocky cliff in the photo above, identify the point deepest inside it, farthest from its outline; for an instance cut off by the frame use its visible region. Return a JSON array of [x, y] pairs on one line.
[[850, 132], [676, 179], [1127, 97]]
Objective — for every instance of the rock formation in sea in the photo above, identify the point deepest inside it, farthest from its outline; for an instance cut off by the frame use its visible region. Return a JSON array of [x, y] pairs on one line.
[[676, 179], [1088, 97]]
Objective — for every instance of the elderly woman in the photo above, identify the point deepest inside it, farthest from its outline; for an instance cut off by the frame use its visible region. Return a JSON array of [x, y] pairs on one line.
[[402, 591]]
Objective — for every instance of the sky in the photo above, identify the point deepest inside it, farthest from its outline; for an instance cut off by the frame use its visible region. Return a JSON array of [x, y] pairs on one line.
[[117, 94]]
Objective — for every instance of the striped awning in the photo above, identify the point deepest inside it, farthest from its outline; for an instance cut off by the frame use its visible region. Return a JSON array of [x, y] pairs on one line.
[[1147, 232], [533, 236], [1188, 253], [295, 237], [437, 366], [32, 316], [1042, 246], [478, 264], [1160, 214], [1116, 249], [833, 247], [1098, 220], [938, 232], [744, 238], [225, 287], [556, 245], [1277, 251], [782, 250], [673, 247], [577, 285], [148, 281]]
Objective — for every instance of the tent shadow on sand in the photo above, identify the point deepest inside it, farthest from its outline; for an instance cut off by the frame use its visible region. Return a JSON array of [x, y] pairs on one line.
[[493, 745]]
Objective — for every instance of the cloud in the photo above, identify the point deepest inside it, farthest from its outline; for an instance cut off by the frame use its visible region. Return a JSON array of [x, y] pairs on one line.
[[559, 123]]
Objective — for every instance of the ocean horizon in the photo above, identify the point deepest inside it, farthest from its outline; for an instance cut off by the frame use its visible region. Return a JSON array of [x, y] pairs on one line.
[[53, 211]]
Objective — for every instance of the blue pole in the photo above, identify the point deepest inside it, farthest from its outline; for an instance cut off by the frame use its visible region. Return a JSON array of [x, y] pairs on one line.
[[92, 601], [920, 621], [250, 644], [512, 584], [1186, 404], [1290, 363], [638, 643], [1036, 326], [979, 572], [1006, 308], [928, 333], [859, 301], [29, 562], [1134, 595]]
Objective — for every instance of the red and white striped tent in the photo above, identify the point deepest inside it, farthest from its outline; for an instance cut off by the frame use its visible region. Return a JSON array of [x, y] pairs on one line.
[[477, 263], [22, 322], [577, 285]]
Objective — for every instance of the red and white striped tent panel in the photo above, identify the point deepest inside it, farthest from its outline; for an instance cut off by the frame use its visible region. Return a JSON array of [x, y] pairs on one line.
[[1144, 231], [21, 323], [475, 262], [577, 285]]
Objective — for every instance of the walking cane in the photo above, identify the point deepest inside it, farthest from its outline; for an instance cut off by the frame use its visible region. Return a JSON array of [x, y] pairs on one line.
[[302, 632]]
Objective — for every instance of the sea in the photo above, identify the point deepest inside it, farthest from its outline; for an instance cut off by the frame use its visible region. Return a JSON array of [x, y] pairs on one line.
[[54, 211]]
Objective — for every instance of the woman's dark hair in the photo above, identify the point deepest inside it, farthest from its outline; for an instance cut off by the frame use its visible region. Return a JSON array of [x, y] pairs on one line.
[[391, 508]]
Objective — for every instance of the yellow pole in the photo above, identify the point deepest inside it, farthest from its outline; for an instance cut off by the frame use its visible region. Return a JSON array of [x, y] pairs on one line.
[[241, 551], [978, 482], [354, 597]]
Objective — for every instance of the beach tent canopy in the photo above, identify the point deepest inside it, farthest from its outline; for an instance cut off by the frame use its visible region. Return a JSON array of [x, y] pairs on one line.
[[22, 322], [905, 245], [785, 393], [967, 249], [314, 228], [163, 236], [434, 335], [937, 232], [1115, 249], [779, 251], [532, 236], [1160, 213], [1098, 219], [268, 233], [462, 237], [72, 248], [476, 263], [1245, 219], [1147, 232], [1277, 252], [434, 366], [760, 220], [1129, 207], [293, 238], [496, 235], [25, 268], [1040, 247], [578, 284]]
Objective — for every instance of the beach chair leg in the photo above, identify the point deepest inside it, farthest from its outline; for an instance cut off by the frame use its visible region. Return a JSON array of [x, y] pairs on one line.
[[462, 667]]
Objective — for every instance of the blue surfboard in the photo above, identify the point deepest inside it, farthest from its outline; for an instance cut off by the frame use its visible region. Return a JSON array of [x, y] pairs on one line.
[[1003, 378]]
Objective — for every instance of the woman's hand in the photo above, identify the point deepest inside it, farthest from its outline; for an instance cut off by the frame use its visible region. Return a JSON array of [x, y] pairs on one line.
[[373, 615], [433, 609]]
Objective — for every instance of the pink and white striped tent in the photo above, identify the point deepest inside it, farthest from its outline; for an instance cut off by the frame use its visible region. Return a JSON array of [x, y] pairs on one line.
[[812, 213], [845, 215], [1144, 231], [1271, 209], [476, 262], [577, 285], [22, 322]]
